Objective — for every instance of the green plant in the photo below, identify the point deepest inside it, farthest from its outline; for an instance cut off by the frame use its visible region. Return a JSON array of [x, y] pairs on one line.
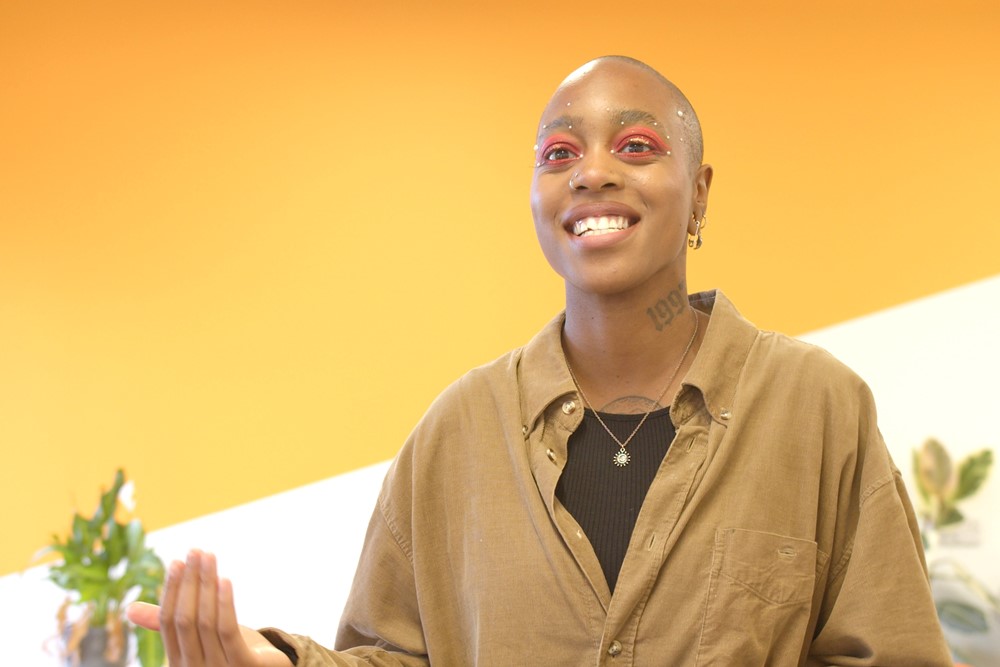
[[968, 611], [941, 485], [106, 565]]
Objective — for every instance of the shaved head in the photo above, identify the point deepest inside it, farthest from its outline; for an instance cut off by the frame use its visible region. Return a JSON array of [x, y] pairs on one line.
[[685, 112]]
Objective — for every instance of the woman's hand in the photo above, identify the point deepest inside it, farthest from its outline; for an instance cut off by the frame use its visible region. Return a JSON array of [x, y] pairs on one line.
[[197, 620]]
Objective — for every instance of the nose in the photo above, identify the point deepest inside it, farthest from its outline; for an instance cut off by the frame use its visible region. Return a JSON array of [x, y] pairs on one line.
[[596, 172]]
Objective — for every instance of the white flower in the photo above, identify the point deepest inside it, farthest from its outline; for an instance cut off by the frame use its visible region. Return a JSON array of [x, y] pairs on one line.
[[126, 495]]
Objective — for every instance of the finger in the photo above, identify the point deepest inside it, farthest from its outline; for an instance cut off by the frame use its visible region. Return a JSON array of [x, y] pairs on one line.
[[186, 615], [144, 615], [208, 630], [168, 607], [233, 643]]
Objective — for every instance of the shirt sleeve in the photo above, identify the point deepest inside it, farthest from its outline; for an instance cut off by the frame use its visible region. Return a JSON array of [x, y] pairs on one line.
[[878, 609]]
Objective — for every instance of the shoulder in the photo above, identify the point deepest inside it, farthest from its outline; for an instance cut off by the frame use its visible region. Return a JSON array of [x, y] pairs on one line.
[[738, 358], [801, 361], [476, 389]]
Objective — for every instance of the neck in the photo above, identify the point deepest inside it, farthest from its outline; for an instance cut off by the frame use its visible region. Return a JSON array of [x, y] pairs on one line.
[[624, 349]]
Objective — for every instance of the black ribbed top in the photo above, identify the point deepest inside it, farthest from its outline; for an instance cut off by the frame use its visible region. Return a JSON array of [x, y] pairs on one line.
[[603, 498]]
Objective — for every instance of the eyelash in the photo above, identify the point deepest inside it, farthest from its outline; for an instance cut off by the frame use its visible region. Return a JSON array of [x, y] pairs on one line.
[[654, 145], [549, 149]]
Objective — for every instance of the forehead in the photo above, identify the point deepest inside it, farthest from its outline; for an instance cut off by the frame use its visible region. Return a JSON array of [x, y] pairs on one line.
[[610, 87]]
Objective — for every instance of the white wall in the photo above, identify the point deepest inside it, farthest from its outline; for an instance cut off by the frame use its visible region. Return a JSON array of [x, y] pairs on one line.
[[934, 367]]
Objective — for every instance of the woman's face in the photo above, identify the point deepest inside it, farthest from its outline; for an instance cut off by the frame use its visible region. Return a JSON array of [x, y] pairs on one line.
[[614, 189]]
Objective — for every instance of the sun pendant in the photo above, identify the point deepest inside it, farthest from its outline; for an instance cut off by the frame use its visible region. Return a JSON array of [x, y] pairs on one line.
[[622, 458]]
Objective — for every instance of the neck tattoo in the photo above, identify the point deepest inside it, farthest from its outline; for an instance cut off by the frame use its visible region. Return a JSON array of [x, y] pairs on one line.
[[622, 457]]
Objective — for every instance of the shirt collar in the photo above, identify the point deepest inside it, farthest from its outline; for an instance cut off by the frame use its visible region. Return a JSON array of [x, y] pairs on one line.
[[543, 376], [717, 368]]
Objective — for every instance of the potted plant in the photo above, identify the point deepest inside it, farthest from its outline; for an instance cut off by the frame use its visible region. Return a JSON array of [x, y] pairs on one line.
[[969, 612], [106, 565]]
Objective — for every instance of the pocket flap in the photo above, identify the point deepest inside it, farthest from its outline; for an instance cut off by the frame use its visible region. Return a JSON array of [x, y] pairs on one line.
[[777, 568]]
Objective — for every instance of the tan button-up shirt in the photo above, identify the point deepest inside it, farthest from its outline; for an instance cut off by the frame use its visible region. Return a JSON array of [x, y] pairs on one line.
[[776, 532]]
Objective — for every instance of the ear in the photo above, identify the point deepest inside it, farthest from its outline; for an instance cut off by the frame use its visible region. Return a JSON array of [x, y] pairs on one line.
[[701, 185]]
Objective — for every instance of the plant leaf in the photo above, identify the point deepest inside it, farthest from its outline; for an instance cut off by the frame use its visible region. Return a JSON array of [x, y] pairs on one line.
[[972, 473], [934, 468], [135, 538], [949, 515], [150, 648], [106, 509], [919, 479]]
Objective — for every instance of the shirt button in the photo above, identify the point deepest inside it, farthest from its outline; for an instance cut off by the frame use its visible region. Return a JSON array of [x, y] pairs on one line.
[[724, 413], [524, 430], [551, 454], [569, 407], [615, 648]]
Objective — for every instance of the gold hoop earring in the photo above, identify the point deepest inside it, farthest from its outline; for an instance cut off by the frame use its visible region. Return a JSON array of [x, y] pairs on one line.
[[695, 241]]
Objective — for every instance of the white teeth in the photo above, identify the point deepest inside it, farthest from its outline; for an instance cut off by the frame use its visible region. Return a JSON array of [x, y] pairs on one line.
[[605, 224]]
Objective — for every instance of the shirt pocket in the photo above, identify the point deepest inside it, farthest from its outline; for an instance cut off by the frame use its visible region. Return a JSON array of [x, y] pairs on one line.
[[759, 598]]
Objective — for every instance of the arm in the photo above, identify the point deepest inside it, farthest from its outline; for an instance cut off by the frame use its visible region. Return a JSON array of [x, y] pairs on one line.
[[197, 620], [878, 608], [381, 622]]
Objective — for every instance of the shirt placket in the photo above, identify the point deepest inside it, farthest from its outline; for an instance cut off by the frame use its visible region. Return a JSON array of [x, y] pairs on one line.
[[652, 538]]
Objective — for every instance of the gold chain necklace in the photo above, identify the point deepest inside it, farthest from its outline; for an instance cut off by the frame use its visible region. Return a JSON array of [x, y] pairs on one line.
[[622, 457]]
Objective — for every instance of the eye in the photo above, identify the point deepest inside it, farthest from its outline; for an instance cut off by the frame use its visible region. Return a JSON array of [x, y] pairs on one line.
[[639, 144], [558, 152], [636, 145]]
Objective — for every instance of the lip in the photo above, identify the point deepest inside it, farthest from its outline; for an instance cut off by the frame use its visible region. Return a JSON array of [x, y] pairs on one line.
[[596, 210]]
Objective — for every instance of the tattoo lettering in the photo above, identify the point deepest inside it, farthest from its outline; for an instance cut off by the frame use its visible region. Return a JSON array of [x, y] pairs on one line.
[[666, 309]]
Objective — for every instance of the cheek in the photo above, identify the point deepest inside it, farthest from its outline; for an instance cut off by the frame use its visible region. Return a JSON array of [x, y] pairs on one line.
[[543, 202]]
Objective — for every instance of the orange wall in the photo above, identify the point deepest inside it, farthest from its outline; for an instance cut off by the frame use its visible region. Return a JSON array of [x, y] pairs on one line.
[[243, 245]]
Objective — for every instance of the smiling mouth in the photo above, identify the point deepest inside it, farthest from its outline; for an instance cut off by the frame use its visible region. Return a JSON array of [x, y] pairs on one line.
[[605, 224]]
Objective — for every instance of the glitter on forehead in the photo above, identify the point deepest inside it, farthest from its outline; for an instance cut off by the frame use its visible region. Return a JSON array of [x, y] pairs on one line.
[[680, 112], [568, 103]]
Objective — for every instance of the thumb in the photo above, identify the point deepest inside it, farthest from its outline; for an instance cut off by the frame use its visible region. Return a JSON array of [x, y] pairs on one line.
[[144, 615]]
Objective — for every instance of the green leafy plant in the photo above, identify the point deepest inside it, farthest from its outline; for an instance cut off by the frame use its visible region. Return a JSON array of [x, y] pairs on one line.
[[941, 484], [968, 611], [106, 565]]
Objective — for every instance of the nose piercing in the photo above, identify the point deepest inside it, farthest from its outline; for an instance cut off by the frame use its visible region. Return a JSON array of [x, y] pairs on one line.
[[572, 186]]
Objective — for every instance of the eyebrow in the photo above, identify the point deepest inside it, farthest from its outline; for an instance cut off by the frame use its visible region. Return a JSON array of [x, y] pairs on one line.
[[561, 121], [630, 116], [620, 117]]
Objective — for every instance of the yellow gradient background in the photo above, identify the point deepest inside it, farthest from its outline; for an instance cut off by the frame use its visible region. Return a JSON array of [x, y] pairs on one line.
[[243, 245]]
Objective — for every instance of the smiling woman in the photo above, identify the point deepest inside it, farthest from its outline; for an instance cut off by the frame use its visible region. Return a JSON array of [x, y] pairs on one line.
[[649, 460], [613, 144]]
